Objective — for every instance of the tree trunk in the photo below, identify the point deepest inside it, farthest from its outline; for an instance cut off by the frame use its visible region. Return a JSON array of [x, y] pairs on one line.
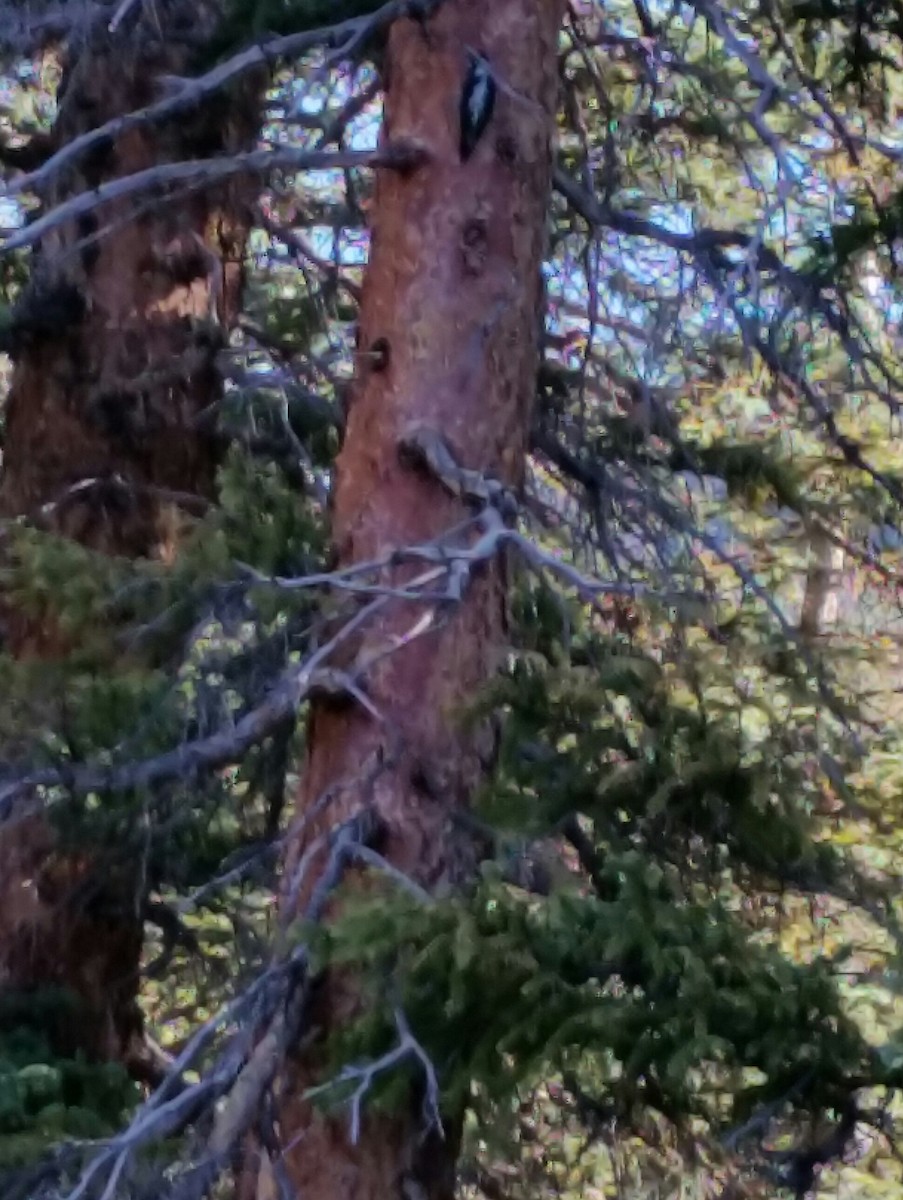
[[114, 344], [824, 579], [451, 314]]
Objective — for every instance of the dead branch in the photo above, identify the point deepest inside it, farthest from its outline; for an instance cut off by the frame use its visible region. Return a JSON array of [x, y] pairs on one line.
[[266, 1019], [343, 38], [365, 1075], [202, 173]]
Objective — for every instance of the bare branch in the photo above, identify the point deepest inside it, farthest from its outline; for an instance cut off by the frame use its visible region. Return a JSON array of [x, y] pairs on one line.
[[274, 1004], [457, 564], [366, 1074], [206, 754], [203, 173], [343, 37]]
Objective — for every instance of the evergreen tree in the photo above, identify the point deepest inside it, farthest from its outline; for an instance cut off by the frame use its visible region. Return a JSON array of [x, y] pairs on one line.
[[107, 440], [588, 882]]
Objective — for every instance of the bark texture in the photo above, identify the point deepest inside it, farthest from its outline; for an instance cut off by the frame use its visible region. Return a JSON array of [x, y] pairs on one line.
[[451, 308], [114, 344]]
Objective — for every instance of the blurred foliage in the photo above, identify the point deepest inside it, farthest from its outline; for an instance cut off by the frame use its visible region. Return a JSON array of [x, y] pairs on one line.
[[46, 1097], [247, 21]]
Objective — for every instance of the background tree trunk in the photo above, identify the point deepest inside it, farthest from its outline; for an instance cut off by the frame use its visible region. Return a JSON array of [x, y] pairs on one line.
[[114, 343], [824, 580], [451, 303]]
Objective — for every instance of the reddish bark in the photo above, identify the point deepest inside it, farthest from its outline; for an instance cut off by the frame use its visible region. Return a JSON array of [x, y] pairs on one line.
[[114, 347], [452, 297]]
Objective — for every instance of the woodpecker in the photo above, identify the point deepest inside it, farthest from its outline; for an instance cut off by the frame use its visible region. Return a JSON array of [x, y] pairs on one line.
[[477, 103]]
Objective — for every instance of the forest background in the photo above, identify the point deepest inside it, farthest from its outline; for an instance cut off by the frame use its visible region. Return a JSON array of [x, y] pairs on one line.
[[449, 581]]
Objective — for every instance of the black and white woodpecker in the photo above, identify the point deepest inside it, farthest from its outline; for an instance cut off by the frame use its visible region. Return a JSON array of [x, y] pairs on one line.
[[477, 103]]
